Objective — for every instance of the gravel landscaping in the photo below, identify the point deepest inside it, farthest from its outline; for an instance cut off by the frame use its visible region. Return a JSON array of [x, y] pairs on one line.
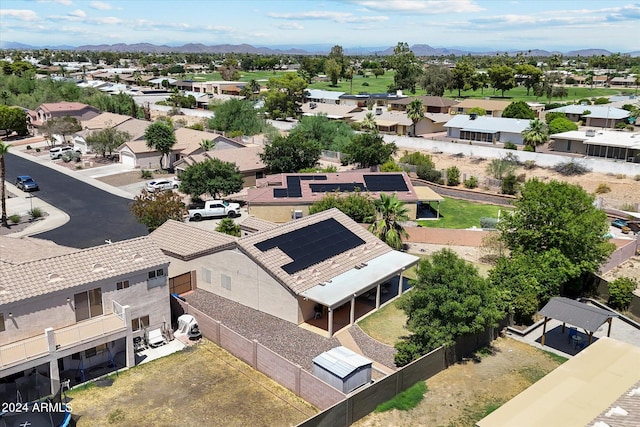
[[373, 349]]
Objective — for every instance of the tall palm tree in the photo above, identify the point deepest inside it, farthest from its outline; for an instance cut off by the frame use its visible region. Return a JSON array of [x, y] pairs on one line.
[[536, 134], [369, 122], [415, 112], [390, 213], [4, 149]]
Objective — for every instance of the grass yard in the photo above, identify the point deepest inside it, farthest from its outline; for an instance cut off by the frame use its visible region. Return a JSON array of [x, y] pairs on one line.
[[203, 385], [387, 324], [455, 213]]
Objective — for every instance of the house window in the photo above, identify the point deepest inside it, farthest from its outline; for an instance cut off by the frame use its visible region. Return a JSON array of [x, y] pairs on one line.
[[95, 350], [157, 273], [140, 323], [206, 275], [259, 175], [225, 281], [1, 322], [122, 285], [88, 304]]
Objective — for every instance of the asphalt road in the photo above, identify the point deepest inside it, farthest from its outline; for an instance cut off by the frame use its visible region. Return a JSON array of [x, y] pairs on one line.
[[95, 215]]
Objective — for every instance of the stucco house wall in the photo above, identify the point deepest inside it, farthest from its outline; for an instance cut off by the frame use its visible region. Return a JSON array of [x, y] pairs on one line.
[[569, 146]]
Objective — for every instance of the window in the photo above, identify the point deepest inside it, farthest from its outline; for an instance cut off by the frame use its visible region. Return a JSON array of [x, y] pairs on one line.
[[157, 273], [88, 304], [225, 281], [122, 285], [1, 322], [206, 275], [140, 323], [95, 350]]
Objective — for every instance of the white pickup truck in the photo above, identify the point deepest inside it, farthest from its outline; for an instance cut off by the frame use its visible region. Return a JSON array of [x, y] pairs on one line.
[[214, 208]]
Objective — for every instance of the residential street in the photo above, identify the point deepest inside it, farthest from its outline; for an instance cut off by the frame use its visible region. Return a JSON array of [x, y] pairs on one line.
[[95, 215]]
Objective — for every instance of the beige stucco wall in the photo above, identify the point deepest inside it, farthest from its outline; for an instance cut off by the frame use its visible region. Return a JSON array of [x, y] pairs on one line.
[[31, 317], [427, 126], [282, 213], [563, 146]]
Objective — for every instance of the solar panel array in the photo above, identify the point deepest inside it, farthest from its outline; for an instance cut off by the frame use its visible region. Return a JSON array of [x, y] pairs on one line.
[[386, 182], [293, 185], [375, 183], [312, 244]]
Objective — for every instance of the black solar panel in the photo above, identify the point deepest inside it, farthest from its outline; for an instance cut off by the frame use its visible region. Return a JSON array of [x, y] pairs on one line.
[[386, 182], [312, 244], [279, 193], [293, 186], [337, 186]]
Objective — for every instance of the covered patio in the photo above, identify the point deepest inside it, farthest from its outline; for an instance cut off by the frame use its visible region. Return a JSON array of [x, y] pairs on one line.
[[425, 197], [354, 293], [575, 313]]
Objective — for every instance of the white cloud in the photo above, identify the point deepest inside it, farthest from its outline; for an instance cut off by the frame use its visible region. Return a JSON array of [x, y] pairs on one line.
[[291, 26], [21, 14], [340, 17], [100, 5], [78, 13], [109, 20], [64, 2], [422, 7]]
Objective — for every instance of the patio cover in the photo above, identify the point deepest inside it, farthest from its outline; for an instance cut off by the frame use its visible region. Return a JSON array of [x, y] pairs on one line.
[[576, 313], [426, 194], [356, 281], [492, 132]]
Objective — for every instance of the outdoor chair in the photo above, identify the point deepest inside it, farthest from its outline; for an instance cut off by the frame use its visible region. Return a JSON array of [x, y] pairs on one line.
[[572, 333]]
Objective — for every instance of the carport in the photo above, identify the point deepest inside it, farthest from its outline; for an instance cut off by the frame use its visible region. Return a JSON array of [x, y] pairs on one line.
[[426, 195], [575, 313]]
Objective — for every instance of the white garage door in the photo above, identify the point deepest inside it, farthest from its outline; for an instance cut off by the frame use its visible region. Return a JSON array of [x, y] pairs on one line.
[[127, 159]]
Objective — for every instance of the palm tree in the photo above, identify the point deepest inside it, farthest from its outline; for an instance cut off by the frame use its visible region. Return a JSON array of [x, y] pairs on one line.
[[4, 149], [369, 122], [535, 135], [415, 112], [390, 213], [207, 144], [5, 96]]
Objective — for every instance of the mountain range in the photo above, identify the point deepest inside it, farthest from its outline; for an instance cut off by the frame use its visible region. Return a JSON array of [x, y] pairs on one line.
[[418, 49]]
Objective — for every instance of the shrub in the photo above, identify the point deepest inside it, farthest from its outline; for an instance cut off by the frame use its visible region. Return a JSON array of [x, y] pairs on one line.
[[15, 218], [510, 184], [365, 83], [36, 213], [428, 174], [621, 292], [488, 223], [602, 189], [38, 149], [621, 125], [146, 174], [529, 164], [521, 178], [621, 176], [510, 146], [629, 207], [472, 182], [417, 159], [28, 147], [570, 168], [390, 166], [584, 101], [636, 178], [453, 176], [499, 168], [601, 101], [78, 166], [405, 400], [529, 148]]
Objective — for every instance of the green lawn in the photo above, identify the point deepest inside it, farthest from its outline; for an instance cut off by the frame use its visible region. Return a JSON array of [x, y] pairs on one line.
[[385, 325], [456, 213]]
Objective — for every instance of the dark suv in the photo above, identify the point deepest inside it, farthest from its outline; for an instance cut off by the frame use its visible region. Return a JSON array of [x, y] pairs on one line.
[[26, 183]]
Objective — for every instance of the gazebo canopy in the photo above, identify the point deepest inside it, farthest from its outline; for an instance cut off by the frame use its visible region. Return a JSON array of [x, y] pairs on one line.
[[576, 313]]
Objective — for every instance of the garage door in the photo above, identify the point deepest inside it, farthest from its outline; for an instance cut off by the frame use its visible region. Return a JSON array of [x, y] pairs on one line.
[[128, 159], [180, 284]]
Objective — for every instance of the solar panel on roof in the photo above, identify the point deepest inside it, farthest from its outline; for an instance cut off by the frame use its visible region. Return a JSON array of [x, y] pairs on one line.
[[337, 186], [312, 244], [279, 193], [385, 182], [293, 186]]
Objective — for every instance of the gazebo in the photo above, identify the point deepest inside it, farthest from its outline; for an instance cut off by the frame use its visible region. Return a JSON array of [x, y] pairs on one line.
[[575, 313], [426, 195]]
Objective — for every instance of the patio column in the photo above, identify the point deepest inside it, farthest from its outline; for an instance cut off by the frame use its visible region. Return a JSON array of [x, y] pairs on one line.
[[609, 329], [400, 283], [130, 359], [378, 296], [544, 330], [352, 314], [330, 322], [54, 372]]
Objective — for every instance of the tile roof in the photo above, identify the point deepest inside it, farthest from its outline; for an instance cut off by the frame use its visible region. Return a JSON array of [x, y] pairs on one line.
[[135, 127], [57, 107], [273, 260], [186, 242], [388, 118], [49, 275], [15, 251], [332, 111], [630, 402], [427, 101], [256, 224], [246, 158], [104, 120]]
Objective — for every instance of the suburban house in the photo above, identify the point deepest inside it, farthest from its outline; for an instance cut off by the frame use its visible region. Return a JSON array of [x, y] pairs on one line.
[[486, 129], [628, 81], [594, 115], [374, 99], [608, 144], [324, 270], [66, 313], [48, 111], [100, 122], [322, 96], [332, 111], [494, 108], [282, 197], [432, 104], [247, 159], [221, 87], [389, 122]]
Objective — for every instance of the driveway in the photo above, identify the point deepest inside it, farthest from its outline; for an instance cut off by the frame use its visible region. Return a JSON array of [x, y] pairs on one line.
[[95, 215]]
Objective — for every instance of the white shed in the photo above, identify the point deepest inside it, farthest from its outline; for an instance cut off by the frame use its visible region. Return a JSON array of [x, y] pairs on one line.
[[342, 369]]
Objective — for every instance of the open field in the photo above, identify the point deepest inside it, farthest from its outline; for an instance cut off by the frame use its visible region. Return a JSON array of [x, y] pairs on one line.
[[202, 386], [466, 392]]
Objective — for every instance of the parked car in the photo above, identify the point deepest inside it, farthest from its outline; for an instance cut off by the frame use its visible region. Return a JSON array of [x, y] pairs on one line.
[[26, 183], [214, 208], [162, 185], [619, 223], [58, 152]]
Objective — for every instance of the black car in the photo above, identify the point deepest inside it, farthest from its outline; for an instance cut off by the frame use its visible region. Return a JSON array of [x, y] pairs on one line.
[[26, 183]]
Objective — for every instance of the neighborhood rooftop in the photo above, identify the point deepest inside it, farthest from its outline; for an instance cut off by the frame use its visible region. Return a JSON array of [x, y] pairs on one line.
[[185, 242], [595, 111], [487, 124]]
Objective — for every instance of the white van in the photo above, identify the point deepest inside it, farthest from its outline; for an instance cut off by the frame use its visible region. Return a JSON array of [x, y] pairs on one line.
[[58, 152]]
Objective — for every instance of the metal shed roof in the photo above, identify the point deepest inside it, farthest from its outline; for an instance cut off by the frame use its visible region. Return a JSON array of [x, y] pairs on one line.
[[576, 313], [341, 361]]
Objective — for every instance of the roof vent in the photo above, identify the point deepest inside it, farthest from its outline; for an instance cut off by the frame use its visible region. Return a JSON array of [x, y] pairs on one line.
[[616, 411], [137, 257], [473, 116], [54, 277], [97, 267]]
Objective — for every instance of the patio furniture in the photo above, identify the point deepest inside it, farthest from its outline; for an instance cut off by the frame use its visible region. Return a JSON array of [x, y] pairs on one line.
[[156, 338], [576, 341], [572, 333]]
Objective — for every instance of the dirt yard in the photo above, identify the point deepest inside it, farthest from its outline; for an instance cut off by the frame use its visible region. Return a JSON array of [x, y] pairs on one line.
[[464, 393], [201, 386]]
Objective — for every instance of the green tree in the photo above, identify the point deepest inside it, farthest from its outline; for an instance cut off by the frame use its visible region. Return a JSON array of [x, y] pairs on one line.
[[499, 168], [237, 115], [528, 75], [331, 134], [207, 144], [107, 140], [449, 299], [60, 126], [621, 292], [561, 124], [161, 137], [519, 110], [477, 110], [369, 149], [535, 135], [4, 149], [387, 223], [453, 176], [288, 155], [435, 80], [332, 70], [368, 123], [357, 206], [284, 97], [154, 209], [510, 184], [415, 112], [407, 69], [337, 54], [502, 78], [13, 119], [462, 74], [211, 176], [558, 215], [228, 226]]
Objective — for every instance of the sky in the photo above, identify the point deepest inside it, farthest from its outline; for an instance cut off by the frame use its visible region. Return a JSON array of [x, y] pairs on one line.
[[561, 25]]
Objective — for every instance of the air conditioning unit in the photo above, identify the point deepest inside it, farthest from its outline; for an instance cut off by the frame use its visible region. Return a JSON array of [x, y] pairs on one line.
[[590, 132], [378, 111], [313, 105]]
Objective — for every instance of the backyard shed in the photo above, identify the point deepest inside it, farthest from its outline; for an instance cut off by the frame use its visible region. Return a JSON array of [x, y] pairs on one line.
[[343, 369]]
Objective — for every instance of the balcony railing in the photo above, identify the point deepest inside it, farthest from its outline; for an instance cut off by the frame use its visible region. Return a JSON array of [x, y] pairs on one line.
[[23, 350]]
